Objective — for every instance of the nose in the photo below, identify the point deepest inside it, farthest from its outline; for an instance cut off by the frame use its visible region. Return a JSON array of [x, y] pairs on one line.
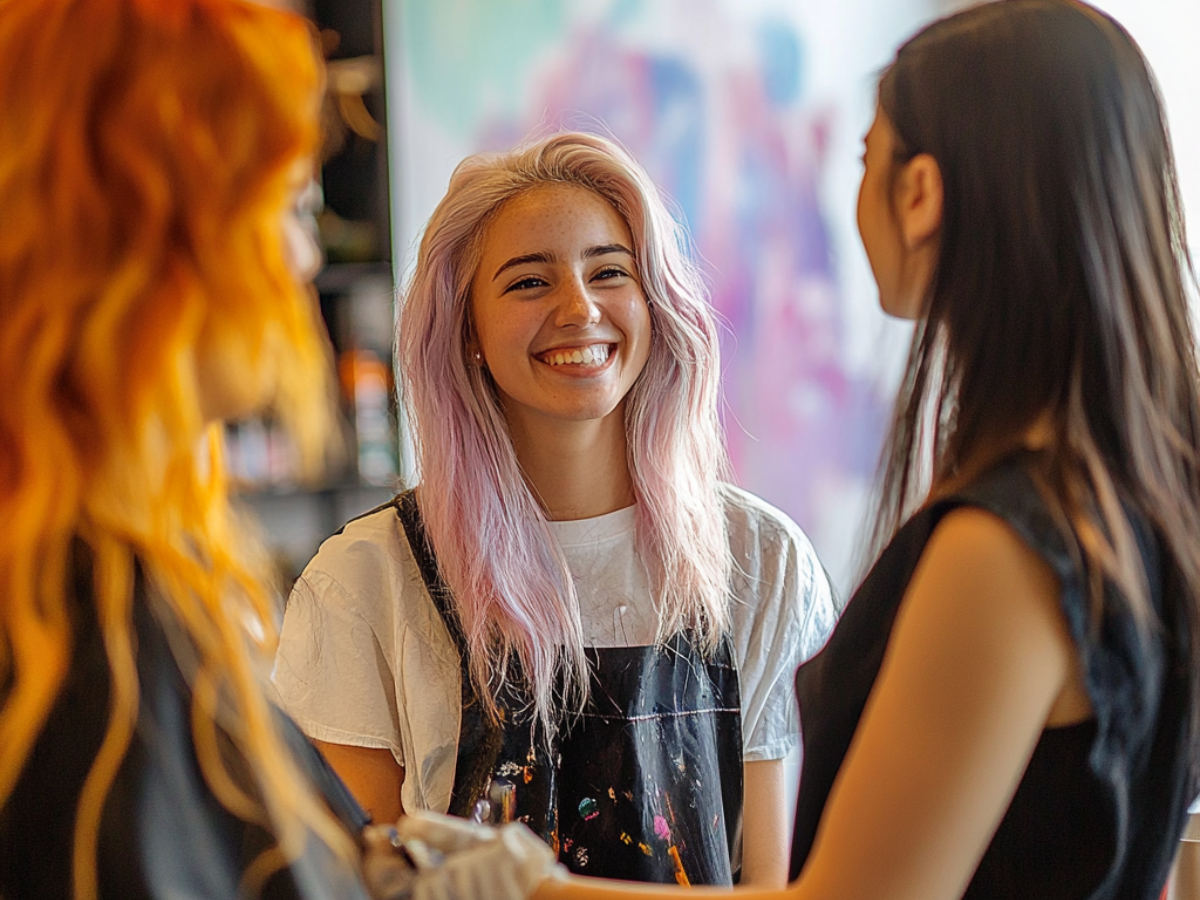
[[577, 306]]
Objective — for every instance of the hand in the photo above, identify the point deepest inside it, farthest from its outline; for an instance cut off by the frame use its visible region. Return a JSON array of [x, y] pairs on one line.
[[428, 856], [389, 871]]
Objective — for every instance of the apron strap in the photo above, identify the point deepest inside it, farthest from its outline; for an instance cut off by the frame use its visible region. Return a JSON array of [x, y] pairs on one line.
[[481, 737], [418, 540]]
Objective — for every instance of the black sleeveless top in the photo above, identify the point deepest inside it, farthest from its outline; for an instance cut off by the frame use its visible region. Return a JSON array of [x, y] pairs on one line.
[[163, 832], [1102, 804]]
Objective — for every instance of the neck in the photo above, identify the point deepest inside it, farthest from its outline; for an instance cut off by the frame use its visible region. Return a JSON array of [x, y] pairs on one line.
[[577, 470], [1038, 436]]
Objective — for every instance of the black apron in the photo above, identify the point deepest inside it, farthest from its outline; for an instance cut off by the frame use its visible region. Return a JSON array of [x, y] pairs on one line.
[[645, 784]]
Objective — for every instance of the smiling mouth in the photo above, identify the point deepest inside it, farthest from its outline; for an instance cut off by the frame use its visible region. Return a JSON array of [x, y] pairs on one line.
[[591, 355]]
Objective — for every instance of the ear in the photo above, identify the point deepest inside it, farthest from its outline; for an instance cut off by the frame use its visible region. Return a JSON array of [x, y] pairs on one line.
[[473, 352], [920, 200]]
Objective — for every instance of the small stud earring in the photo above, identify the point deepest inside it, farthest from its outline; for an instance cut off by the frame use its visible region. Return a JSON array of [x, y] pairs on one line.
[[477, 357]]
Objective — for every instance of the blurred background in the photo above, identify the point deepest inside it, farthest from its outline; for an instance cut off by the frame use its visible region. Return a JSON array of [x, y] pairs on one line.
[[748, 113]]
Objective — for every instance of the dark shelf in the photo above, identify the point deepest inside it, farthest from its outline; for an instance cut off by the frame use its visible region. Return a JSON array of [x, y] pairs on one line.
[[266, 491], [296, 522], [338, 278]]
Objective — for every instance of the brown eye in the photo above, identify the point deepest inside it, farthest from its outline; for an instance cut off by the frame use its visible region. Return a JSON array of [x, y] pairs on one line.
[[611, 272], [527, 283]]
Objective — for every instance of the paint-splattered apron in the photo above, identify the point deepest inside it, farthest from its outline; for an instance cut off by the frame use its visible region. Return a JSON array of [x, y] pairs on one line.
[[644, 785]]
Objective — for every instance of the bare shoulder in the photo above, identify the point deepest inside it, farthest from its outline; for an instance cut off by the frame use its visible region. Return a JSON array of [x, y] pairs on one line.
[[979, 586], [974, 557], [994, 604]]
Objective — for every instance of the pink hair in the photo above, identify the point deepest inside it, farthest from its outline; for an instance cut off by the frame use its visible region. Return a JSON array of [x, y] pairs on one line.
[[510, 581]]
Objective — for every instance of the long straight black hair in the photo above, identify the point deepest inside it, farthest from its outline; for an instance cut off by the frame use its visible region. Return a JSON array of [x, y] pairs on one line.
[[1058, 298]]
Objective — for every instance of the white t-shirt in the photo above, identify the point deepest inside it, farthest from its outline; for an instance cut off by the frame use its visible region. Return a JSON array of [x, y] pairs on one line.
[[365, 660]]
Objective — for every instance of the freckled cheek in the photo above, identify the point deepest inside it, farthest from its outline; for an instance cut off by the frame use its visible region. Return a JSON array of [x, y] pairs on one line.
[[517, 335]]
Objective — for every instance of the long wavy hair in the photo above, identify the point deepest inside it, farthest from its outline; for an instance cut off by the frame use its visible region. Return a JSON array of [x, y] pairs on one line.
[[147, 153], [511, 585], [1059, 296]]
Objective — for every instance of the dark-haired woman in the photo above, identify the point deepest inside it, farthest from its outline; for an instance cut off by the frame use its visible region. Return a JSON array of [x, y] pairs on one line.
[[1008, 706]]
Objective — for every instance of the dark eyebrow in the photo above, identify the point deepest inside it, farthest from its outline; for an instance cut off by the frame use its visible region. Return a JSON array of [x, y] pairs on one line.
[[589, 253], [524, 258], [605, 249]]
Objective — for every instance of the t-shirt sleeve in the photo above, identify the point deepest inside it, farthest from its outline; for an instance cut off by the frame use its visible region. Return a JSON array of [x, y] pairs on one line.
[[784, 612], [333, 668]]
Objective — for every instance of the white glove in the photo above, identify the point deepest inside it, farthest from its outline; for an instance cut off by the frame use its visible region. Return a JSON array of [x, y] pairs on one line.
[[460, 860]]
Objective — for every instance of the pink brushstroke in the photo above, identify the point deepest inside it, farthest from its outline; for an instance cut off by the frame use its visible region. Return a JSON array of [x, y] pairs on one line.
[[661, 828]]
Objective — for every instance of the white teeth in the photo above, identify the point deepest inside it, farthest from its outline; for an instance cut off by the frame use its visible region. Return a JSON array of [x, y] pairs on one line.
[[590, 355]]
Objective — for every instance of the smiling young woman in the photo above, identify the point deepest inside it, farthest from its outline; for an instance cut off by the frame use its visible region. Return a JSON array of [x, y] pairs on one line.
[[573, 619]]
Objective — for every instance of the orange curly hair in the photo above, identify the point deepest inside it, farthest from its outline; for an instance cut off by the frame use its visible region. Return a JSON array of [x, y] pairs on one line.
[[148, 151]]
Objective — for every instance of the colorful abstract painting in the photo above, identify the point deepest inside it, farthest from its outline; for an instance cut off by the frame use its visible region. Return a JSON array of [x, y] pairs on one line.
[[749, 114]]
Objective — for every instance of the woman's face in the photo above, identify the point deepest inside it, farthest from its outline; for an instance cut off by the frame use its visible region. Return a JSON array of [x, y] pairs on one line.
[[898, 221], [557, 308]]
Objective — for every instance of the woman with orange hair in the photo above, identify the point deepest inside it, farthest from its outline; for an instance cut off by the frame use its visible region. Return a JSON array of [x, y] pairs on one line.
[[152, 281]]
